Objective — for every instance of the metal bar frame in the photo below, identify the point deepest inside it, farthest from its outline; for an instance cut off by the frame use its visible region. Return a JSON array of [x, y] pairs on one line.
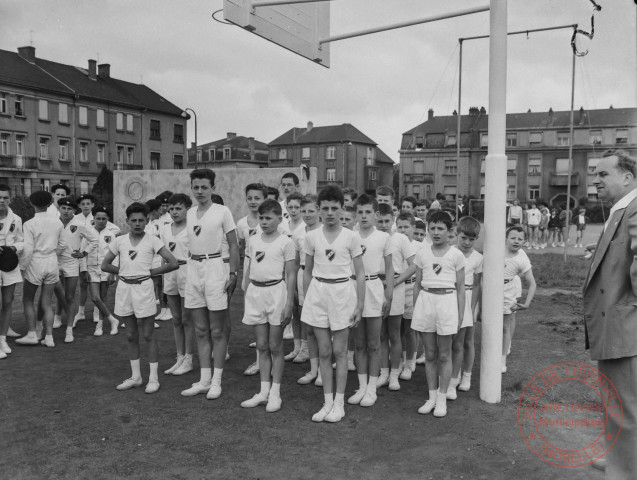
[[269, 3]]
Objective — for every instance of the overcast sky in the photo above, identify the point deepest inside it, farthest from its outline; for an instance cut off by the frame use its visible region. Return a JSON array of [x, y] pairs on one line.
[[383, 83]]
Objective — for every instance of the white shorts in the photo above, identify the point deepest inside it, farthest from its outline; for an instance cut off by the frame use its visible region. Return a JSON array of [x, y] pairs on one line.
[[10, 278], [510, 295], [374, 298], [518, 286], [329, 305], [69, 266], [43, 271], [409, 301], [436, 313], [467, 320], [95, 273], [135, 299], [398, 300], [175, 281], [265, 304], [205, 282], [299, 286]]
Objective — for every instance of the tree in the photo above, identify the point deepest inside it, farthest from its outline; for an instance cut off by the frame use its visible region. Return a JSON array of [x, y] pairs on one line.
[[103, 188]]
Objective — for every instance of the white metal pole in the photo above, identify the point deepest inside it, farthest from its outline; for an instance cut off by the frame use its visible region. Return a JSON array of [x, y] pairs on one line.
[[458, 127], [569, 216], [494, 217]]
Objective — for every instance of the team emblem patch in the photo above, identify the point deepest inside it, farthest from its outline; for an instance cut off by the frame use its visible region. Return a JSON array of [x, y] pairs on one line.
[[1, 226], [252, 231], [12, 227], [107, 239], [93, 222], [73, 228], [260, 256], [157, 227], [437, 268], [330, 254], [197, 229], [132, 254], [171, 246], [364, 249]]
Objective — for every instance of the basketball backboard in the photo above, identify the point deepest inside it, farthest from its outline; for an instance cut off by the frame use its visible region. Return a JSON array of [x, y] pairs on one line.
[[296, 27]]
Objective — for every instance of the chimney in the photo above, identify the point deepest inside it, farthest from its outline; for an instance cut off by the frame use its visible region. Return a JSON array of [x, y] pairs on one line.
[[28, 53], [430, 114], [251, 147], [92, 69], [474, 110], [582, 116], [455, 113], [193, 145], [310, 126], [231, 135], [483, 111], [551, 116], [104, 70]]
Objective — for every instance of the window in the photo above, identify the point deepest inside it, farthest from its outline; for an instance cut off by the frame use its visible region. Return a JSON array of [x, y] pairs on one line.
[[283, 154], [45, 184], [535, 164], [451, 167], [511, 193], [372, 174], [227, 153], [483, 165], [19, 145], [63, 150], [592, 165], [130, 155], [199, 155], [155, 129], [482, 191], [595, 137], [419, 167], [25, 183], [19, 112], [330, 174], [63, 113], [535, 139], [330, 153], [512, 139], [84, 187], [154, 160], [591, 192], [4, 144], [305, 153], [120, 154], [415, 191], [100, 118], [43, 110], [451, 140], [371, 155], [129, 122], [449, 191], [563, 139], [83, 116], [420, 141], [3, 103], [512, 165], [101, 152], [178, 133], [484, 139], [178, 162], [534, 192], [44, 148], [212, 155], [561, 166], [119, 123], [621, 135], [84, 152]]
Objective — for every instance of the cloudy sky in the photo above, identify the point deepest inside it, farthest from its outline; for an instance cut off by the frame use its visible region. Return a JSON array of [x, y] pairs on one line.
[[383, 83]]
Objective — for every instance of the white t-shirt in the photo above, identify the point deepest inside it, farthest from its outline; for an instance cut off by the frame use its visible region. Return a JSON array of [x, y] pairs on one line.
[[245, 231], [515, 211], [298, 239], [77, 236], [439, 272], [533, 217], [332, 260], [518, 264], [53, 210], [135, 261], [375, 247], [401, 249], [177, 244], [267, 259], [106, 236], [206, 234], [11, 232], [473, 265]]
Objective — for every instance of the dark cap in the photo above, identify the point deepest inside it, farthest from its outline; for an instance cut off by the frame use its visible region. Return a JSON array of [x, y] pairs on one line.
[[60, 185], [66, 201], [97, 210], [8, 260], [41, 198], [164, 196], [153, 204], [86, 196]]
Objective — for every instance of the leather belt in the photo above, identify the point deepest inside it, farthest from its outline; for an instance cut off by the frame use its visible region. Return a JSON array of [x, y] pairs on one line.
[[332, 280], [410, 280], [367, 277], [468, 287], [269, 283], [302, 267], [439, 291], [226, 260], [182, 262], [200, 258], [134, 280], [507, 280]]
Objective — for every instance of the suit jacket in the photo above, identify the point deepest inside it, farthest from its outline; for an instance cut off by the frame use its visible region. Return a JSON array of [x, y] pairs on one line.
[[610, 304]]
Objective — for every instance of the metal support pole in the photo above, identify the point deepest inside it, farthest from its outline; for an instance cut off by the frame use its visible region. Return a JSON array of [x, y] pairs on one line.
[[494, 218], [458, 133], [570, 160]]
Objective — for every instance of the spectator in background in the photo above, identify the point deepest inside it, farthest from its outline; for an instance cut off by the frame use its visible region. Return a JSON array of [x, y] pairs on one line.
[[543, 233], [436, 204], [580, 221], [565, 224], [533, 216], [515, 213], [555, 230], [350, 196]]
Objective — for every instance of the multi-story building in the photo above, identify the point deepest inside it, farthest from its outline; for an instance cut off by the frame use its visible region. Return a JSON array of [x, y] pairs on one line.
[[342, 154], [537, 153], [61, 123], [231, 151]]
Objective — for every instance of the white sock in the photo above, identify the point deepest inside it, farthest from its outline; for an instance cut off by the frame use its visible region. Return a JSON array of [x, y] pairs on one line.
[[340, 399], [384, 372], [394, 372], [362, 381], [48, 337], [275, 390], [304, 344], [314, 365], [468, 374], [98, 315], [433, 394], [265, 388], [504, 359], [371, 384], [216, 376], [329, 400], [99, 324], [135, 368], [57, 318], [3, 338], [80, 310], [453, 383], [206, 375], [441, 399], [69, 329], [153, 371], [112, 319], [297, 345]]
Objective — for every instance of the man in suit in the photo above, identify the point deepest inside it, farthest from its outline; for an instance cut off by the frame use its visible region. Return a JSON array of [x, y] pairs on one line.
[[610, 303]]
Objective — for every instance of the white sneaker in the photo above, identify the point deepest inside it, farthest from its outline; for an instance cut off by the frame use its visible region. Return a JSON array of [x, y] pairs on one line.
[[451, 393], [4, 346], [180, 360], [306, 379], [406, 373], [336, 413], [303, 355], [253, 369], [164, 315], [114, 326], [255, 401], [465, 382], [350, 365], [156, 325], [288, 334], [322, 413], [427, 407], [319, 381], [292, 355], [12, 334], [214, 392], [57, 322], [274, 404], [383, 379], [195, 389], [421, 360], [98, 330], [129, 383], [185, 367], [2, 355], [440, 410], [369, 399], [78, 316], [394, 385], [29, 339], [69, 337], [96, 316], [357, 397], [48, 342], [152, 386]]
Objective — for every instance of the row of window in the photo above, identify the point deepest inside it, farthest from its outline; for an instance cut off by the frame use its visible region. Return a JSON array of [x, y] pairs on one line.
[[330, 174], [212, 154], [330, 154]]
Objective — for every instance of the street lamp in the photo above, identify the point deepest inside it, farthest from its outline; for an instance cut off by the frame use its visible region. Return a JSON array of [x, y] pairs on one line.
[[187, 117]]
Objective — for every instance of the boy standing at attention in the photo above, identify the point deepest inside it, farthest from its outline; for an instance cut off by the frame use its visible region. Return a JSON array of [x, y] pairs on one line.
[[134, 297], [295, 222], [329, 306], [208, 281], [86, 203], [269, 300]]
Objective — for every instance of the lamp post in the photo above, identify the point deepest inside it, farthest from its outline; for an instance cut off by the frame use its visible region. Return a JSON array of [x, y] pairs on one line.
[[187, 117]]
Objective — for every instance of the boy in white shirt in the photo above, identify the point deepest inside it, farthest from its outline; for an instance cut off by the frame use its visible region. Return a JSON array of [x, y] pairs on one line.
[[269, 300], [402, 254], [43, 240], [154, 208], [174, 235], [533, 218], [86, 203], [134, 298], [329, 306], [295, 222], [375, 246]]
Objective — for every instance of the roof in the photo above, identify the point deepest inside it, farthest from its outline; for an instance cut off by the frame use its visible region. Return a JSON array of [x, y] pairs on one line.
[[329, 134], [236, 142], [70, 80]]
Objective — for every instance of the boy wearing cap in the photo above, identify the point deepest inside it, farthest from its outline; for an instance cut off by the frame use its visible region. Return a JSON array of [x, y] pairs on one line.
[[42, 241], [11, 239], [86, 203], [164, 214], [79, 242]]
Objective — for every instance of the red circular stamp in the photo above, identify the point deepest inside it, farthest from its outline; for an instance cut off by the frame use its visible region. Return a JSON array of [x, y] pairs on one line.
[[565, 432]]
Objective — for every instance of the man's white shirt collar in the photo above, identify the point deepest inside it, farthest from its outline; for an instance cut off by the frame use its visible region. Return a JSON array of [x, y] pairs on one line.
[[621, 204]]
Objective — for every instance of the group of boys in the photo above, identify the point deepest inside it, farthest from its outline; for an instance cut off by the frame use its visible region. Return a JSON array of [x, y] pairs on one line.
[[323, 264]]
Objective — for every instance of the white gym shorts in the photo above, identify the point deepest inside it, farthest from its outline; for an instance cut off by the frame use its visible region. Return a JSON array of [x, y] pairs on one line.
[[42, 271], [205, 282], [436, 313], [135, 299], [175, 281], [329, 305], [265, 304]]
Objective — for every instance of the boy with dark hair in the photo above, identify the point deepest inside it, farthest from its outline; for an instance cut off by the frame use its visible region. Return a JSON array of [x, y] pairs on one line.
[[328, 306], [269, 301], [85, 203], [420, 231], [58, 191], [408, 204], [421, 209], [134, 298], [385, 194], [273, 193]]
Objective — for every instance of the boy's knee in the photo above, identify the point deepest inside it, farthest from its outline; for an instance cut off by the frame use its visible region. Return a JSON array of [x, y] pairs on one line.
[[217, 333], [132, 337], [325, 354], [274, 346], [373, 346], [148, 336]]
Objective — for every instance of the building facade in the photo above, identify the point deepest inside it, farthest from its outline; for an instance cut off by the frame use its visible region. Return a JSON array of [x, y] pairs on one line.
[[537, 153], [232, 151], [342, 154], [62, 124]]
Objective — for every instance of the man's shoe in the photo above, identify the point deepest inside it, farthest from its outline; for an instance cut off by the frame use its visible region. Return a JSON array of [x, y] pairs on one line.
[[114, 326], [451, 393], [184, 367], [57, 322], [129, 383], [48, 342], [180, 360], [68, 338], [195, 389], [336, 413], [440, 410], [421, 360], [383, 379], [427, 407], [394, 385], [292, 355], [4, 346], [255, 401], [78, 316], [98, 330], [303, 356], [465, 382], [152, 386], [406, 373], [253, 369], [288, 334], [12, 334], [319, 381]]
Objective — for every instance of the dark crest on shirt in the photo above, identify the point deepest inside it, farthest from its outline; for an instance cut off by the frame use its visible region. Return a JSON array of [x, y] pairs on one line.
[[437, 268], [93, 222], [132, 254], [252, 231], [197, 229], [364, 249], [330, 254], [107, 238], [260, 256], [73, 228], [171, 246], [12, 227]]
